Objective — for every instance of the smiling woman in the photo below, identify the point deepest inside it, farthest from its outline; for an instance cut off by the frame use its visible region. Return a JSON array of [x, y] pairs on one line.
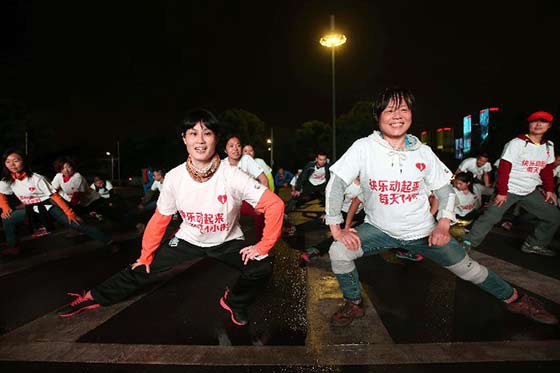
[[39, 196], [208, 195]]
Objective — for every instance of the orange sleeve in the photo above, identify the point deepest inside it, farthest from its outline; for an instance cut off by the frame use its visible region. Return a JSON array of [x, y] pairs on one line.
[[155, 230], [273, 208], [4, 205], [60, 202]]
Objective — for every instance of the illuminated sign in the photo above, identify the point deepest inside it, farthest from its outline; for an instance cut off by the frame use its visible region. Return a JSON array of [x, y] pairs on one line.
[[484, 123], [467, 129]]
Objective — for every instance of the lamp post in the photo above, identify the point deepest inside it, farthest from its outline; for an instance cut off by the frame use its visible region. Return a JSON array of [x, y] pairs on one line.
[[333, 40], [112, 162], [270, 143]]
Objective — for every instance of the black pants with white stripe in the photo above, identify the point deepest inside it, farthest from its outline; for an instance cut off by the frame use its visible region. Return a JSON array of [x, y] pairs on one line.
[[254, 274]]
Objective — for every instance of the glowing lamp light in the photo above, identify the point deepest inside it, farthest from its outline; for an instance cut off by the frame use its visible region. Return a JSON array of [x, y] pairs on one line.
[[333, 40], [494, 109]]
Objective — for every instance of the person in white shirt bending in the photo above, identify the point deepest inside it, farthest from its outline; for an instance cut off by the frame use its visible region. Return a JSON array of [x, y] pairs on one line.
[[236, 158], [395, 170], [207, 193], [526, 163]]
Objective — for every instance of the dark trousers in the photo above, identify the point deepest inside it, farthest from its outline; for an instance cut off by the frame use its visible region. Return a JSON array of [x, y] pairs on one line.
[[253, 276]]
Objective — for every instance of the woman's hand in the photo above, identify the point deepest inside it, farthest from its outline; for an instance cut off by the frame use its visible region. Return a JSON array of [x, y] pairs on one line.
[[249, 253], [6, 213], [499, 200], [138, 264], [349, 238]]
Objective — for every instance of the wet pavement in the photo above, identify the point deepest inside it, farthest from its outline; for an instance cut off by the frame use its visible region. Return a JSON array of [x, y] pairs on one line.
[[419, 317]]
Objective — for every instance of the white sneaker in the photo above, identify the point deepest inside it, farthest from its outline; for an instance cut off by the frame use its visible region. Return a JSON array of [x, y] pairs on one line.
[[536, 249]]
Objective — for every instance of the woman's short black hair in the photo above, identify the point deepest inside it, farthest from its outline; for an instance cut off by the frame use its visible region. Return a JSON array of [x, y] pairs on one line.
[[389, 94], [6, 174], [466, 177], [59, 163], [200, 115]]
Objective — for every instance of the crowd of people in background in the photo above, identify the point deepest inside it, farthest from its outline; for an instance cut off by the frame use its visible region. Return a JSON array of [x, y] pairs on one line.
[[387, 192]]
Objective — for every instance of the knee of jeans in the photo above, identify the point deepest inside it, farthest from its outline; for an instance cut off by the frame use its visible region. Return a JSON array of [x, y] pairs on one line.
[[469, 270], [342, 259], [259, 270], [339, 252]]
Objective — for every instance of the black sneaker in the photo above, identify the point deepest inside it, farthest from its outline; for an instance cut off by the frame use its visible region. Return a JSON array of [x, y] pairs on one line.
[[81, 303], [238, 315]]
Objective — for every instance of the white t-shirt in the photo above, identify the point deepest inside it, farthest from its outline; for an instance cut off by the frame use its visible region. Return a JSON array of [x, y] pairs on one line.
[[469, 201], [527, 160], [262, 164], [353, 190], [469, 164], [76, 183], [556, 171], [104, 191], [157, 185], [394, 184], [247, 165], [293, 182], [30, 190], [318, 176], [210, 210]]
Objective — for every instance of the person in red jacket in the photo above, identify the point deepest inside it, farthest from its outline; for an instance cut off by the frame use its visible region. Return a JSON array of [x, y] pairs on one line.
[[526, 163], [208, 196]]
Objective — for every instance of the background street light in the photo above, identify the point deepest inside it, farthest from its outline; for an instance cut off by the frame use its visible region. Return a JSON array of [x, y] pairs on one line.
[[112, 168], [333, 40], [270, 143]]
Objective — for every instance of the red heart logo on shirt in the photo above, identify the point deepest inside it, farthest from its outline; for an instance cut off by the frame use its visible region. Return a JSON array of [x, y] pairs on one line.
[[31, 189], [222, 199], [421, 166]]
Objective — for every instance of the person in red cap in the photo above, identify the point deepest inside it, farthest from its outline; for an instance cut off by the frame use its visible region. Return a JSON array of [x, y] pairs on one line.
[[527, 162]]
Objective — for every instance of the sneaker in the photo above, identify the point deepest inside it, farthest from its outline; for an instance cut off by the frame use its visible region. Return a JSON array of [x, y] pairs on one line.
[[40, 232], [238, 315], [536, 249], [507, 225], [309, 255], [413, 257], [347, 313], [11, 251], [81, 303], [533, 309]]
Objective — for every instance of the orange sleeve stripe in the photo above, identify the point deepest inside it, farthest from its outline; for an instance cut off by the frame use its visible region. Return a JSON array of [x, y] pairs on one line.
[[60, 202], [273, 208], [153, 235], [4, 205]]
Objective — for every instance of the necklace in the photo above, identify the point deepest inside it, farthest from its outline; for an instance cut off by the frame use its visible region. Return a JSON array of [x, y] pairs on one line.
[[201, 174]]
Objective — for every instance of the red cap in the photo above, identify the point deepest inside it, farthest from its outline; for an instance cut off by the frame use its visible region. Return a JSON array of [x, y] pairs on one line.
[[540, 115]]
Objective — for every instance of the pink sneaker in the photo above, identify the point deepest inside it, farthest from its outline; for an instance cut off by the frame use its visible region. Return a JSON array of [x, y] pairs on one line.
[[40, 232]]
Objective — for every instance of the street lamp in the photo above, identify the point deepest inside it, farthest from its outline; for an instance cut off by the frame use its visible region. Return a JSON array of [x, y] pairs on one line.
[[271, 148], [112, 169], [333, 40]]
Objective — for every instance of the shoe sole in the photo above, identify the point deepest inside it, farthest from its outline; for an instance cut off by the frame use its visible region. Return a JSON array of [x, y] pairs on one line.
[[93, 306], [529, 251], [350, 320], [409, 258], [226, 307]]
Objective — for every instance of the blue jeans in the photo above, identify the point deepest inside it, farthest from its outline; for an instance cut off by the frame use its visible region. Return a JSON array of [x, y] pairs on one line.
[[451, 256], [57, 214]]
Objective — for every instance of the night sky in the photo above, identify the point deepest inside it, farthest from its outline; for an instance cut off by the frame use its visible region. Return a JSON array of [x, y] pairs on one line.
[[118, 67]]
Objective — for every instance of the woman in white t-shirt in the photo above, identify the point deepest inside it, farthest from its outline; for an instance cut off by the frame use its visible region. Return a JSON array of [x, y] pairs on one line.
[[468, 203], [247, 164], [469, 196], [34, 189], [73, 187], [208, 196]]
